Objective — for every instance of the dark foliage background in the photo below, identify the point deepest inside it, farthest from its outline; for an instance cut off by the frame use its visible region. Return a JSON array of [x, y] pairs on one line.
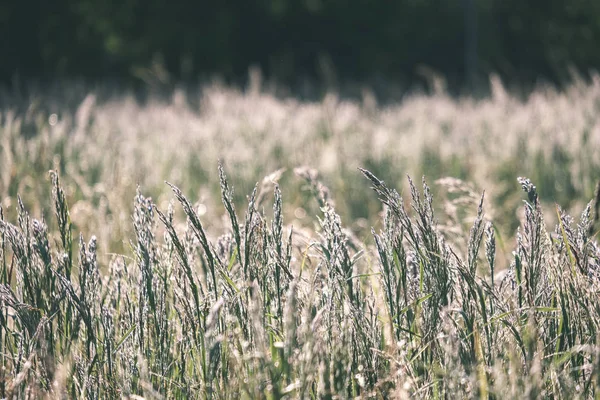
[[294, 41]]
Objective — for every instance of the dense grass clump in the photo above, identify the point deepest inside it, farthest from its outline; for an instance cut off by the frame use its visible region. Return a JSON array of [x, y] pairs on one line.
[[262, 310]]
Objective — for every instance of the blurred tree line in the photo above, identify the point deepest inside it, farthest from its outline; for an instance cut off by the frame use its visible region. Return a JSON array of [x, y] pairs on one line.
[[294, 40]]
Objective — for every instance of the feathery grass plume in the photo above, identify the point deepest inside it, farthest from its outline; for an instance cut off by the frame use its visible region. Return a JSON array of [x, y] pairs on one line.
[[490, 248], [227, 198], [89, 280], [475, 238], [389, 197], [201, 235], [532, 246], [251, 224], [64, 222], [460, 198], [42, 250], [21, 245], [315, 185], [281, 266], [267, 186], [145, 250], [182, 258]]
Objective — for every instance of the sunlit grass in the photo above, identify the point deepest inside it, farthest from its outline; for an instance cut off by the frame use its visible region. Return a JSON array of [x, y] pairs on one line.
[[114, 283]]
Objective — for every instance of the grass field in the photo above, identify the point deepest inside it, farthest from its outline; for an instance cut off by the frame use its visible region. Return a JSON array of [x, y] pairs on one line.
[[130, 267]]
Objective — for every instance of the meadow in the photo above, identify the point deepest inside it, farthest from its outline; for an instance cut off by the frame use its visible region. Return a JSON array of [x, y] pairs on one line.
[[226, 243]]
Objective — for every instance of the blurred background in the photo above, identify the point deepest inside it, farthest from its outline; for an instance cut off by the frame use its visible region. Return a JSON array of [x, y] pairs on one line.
[[303, 45]]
